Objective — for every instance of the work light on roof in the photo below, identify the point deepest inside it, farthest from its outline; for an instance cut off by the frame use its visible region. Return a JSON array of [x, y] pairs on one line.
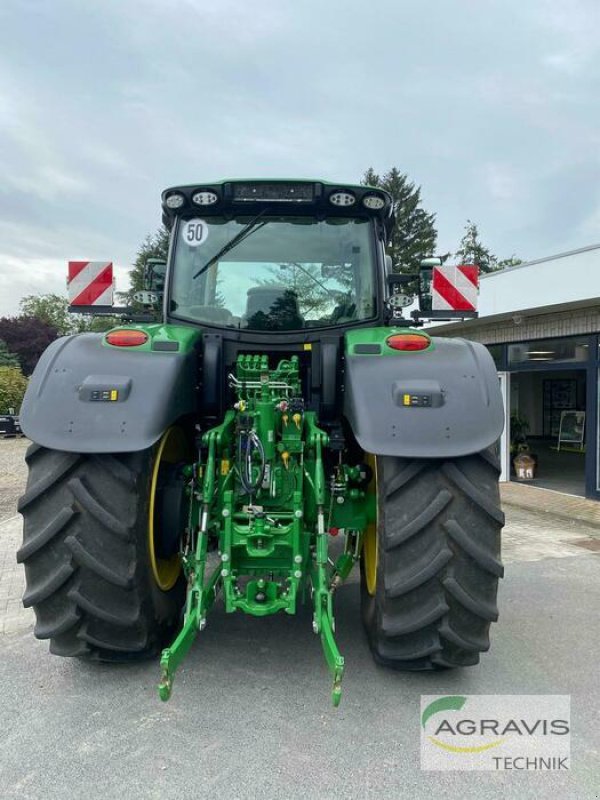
[[343, 199], [373, 202], [175, 200], [204, 198]]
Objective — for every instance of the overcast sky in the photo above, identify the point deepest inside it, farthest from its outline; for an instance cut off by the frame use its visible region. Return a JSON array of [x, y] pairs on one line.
[[492, 106]]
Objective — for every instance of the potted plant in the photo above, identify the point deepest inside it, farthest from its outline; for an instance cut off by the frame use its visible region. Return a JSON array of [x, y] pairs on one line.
[[518, 434], [523, 461]]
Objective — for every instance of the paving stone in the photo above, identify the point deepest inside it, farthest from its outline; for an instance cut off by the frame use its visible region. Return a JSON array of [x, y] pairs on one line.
[[547, 501]]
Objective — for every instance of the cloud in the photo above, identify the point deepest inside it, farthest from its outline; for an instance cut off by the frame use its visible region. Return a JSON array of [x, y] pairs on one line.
[[23, 276], [48, 183], [33, 259], [104, 157], [502, 181], [30, 164], [20, 277], [492, 110]]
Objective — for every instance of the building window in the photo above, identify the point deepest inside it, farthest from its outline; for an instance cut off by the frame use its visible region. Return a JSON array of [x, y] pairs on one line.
[[496, 352], [573, 349]]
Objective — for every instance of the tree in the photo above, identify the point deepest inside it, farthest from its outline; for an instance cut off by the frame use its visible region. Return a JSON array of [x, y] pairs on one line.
[[53, 309], [12, 389], [513, 261], [282, 315], [472, 251], [155, 245], [314, 296], [27, 338], [91, 324], [7, 359], [414, 236]]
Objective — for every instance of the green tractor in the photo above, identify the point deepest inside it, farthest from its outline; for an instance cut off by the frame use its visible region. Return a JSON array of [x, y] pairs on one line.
[[278, 401]]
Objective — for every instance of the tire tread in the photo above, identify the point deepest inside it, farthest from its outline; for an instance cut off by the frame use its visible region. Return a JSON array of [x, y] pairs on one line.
[[439, 561], [84, 550]]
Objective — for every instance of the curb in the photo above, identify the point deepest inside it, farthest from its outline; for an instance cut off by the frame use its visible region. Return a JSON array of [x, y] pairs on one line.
[[555, 504]]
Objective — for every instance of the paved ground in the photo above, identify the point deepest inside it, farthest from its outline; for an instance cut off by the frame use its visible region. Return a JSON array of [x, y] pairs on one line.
[[550, 503], [13, 474], [249, 717]]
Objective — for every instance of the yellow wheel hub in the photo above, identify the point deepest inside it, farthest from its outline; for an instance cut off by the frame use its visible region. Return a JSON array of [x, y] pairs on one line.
[[171, 449], [370, 538]]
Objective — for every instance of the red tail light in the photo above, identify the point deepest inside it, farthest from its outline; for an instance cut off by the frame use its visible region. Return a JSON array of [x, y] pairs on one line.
[[127, 337], [408, 341]]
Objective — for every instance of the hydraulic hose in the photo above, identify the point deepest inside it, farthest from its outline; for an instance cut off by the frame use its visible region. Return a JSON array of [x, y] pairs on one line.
[[253, 443]]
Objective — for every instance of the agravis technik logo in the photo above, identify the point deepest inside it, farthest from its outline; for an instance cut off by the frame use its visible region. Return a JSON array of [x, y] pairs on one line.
[[495, 732]]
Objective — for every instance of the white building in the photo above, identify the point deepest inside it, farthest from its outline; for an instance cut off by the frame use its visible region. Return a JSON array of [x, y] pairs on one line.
[[541, 323]]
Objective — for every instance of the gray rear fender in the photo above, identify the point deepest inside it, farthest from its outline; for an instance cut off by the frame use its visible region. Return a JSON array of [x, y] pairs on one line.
[[66, 406], [454, 408]]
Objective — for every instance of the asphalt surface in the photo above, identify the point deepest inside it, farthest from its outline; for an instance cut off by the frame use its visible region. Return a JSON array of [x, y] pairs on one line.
[[250, 714]]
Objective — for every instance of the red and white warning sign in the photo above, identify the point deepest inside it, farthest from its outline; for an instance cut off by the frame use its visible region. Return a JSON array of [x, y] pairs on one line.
[[90, 283], [455, 288]]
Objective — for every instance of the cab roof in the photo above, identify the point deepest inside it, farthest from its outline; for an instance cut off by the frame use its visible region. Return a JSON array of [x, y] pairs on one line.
[[281, 196]]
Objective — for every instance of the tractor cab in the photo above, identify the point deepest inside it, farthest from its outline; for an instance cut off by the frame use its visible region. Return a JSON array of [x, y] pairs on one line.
[[276, 256], [284, 268]]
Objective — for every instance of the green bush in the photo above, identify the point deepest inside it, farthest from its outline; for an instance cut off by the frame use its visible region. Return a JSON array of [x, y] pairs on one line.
[[12, 388], [7, 359]]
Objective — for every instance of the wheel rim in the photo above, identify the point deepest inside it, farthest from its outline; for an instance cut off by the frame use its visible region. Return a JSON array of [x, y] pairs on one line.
[[171, 449], [370, 547]]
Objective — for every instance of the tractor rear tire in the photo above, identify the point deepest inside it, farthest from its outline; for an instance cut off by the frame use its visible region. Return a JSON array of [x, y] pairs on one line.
[[86, 556], [437, 561]]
